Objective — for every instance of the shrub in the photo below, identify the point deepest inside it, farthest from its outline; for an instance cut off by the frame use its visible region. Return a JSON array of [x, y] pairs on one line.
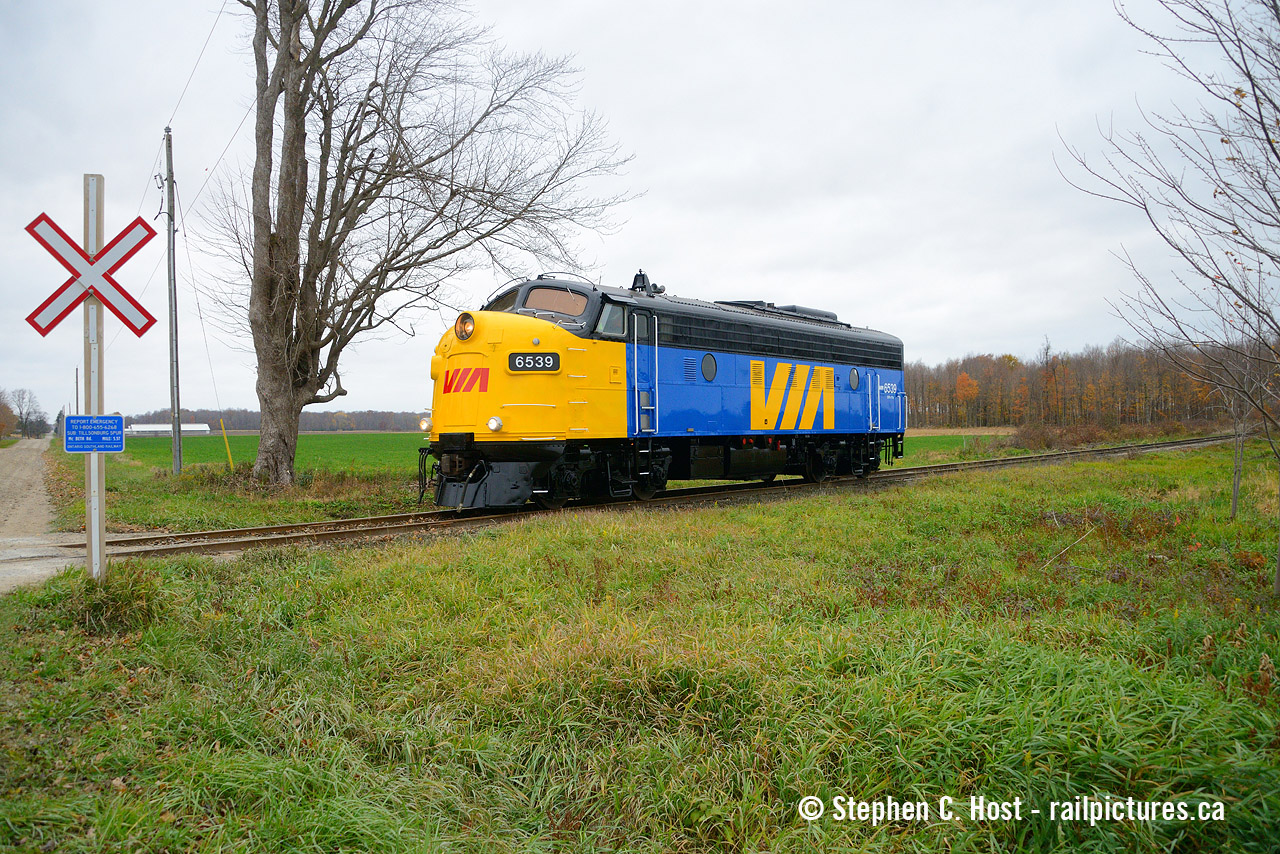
[[131, 597]]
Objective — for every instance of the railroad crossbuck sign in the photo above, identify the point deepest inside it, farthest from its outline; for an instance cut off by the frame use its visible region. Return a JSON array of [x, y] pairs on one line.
[[90, 275]]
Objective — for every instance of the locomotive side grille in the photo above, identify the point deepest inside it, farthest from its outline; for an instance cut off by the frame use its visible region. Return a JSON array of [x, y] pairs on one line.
[[703, 333], [690, 371]]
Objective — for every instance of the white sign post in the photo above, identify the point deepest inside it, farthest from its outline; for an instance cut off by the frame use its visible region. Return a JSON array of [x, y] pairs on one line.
[[92, 284]]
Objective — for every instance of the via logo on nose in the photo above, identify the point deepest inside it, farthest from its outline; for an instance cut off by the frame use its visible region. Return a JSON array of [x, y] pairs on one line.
[[466, 379]]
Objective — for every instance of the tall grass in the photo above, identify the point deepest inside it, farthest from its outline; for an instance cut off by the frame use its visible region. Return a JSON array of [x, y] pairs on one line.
[[676, 681], [339, 476]]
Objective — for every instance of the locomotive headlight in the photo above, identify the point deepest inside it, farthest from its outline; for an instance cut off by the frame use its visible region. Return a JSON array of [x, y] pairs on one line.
[[425, 424], [495, 424], [464, 326]]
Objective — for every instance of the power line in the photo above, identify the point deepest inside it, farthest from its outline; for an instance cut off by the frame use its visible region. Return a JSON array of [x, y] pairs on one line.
[[225, 149], [207, 178], [160, 148], [197, 63], [146, 187], [186, 245]]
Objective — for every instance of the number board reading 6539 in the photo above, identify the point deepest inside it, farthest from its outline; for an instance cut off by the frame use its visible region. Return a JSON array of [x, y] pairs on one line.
[[533, 361]]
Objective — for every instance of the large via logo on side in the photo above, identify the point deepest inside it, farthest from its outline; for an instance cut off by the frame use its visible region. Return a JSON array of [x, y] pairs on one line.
[[811, 388], [466, 379]]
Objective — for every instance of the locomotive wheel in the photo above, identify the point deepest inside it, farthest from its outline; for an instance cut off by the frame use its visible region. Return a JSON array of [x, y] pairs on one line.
[[816, 469], [644, 493], [768, 478], [547, 501]]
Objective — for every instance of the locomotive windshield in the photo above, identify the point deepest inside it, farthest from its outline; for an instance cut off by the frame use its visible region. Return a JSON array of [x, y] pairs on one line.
[[506, 302], [556, 303], [559, 300]]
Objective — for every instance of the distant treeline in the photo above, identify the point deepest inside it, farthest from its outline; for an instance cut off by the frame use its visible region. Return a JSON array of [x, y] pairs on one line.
[[1119, 384], [1105, 386], [311, 422]]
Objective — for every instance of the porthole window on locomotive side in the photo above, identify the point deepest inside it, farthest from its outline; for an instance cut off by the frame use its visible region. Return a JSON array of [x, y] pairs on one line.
[[853, 379], [708, 367]]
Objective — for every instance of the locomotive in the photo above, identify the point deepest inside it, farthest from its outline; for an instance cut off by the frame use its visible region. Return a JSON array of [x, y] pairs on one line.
[[559, 389]]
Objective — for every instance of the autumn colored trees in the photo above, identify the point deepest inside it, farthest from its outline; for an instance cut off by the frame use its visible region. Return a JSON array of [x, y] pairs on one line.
[[8, 418], [1119, 384]]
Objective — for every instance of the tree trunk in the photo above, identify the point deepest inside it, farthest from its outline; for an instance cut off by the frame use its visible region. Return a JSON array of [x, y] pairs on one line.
[[278, 434], [1275, 584], [1236, 471]]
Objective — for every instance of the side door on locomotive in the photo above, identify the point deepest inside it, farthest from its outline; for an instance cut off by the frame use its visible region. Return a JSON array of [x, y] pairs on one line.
[[642, 365]]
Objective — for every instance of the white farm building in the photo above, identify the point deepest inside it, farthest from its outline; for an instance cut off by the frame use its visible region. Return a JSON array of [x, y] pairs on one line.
[[166, 430]]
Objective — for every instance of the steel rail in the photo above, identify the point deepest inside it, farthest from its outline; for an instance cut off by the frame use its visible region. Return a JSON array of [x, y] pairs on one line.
[[267, 536]]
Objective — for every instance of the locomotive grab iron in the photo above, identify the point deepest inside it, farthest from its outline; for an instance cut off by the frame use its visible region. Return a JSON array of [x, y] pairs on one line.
[[559, 389]]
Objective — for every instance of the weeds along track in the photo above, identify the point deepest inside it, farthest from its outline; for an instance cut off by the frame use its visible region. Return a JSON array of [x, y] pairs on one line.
[[439, 521]]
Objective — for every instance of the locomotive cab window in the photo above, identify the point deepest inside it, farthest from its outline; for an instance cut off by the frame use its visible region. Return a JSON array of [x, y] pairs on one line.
[[506, 302], [642, 327], [613, 321], [558, 300]]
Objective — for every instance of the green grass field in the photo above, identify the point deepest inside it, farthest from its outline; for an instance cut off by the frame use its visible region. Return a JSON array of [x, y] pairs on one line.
[[361, 453], [654, 681], [923, 450], [340, 475]]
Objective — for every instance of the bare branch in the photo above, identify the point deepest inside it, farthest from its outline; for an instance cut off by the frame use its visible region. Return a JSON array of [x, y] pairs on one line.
[[1208, 182], [395, 148]]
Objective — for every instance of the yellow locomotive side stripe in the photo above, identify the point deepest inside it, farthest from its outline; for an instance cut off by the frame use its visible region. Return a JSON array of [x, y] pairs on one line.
[[794, 397], [764, 410], [810, 388], [822, 392]]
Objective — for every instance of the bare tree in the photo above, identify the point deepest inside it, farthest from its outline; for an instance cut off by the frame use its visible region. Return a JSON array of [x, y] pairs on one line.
[[1239, 407], [394, 148], [1208, 181], [36, 424], [26, 408]]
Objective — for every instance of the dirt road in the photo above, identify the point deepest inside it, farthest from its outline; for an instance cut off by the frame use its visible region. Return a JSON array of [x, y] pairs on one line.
[[28, 552]]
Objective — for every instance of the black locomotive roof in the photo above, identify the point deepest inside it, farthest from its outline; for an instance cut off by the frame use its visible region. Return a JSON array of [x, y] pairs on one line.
[[758, 327], [743, 326], [761, 313]]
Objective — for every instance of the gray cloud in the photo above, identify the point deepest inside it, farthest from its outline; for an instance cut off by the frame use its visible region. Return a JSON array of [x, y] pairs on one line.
[[892, 163]]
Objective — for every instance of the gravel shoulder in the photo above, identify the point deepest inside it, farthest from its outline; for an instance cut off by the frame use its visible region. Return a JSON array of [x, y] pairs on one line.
[[28, 552]]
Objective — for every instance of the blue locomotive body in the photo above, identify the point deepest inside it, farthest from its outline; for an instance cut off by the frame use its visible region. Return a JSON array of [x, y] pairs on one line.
[[860, 399]]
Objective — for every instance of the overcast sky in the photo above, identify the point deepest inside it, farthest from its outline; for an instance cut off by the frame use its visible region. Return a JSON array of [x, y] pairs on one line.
[[894, 163]]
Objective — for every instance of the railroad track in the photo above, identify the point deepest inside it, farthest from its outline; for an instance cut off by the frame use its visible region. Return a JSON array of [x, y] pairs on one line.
[[267, 536]]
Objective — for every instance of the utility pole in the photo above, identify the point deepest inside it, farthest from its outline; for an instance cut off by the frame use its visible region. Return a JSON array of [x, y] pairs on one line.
[[174, 404]]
